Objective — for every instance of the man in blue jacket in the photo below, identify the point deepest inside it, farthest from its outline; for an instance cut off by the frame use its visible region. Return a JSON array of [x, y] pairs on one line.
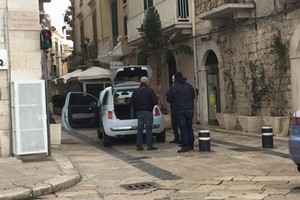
[[144, 99], [181, 96]]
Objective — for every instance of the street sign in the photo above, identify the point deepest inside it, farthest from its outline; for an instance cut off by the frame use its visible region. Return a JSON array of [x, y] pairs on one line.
[[3, 59]]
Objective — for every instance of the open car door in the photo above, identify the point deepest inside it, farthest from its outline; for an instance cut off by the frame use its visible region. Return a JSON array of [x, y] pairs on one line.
[[81, 111]]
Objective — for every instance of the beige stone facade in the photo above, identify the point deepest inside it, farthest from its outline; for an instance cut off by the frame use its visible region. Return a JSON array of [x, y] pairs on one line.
[[20, 29], [238, 42]]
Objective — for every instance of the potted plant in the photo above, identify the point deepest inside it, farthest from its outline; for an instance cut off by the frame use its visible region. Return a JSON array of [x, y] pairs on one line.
[[256, 90], [278, 118]]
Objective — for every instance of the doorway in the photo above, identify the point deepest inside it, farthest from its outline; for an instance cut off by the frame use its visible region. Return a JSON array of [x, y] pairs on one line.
[[172, 68], [213, 87]]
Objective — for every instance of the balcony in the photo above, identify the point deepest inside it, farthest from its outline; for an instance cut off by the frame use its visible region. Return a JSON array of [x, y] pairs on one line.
[[220, 10], [90, 52], [175, 16]]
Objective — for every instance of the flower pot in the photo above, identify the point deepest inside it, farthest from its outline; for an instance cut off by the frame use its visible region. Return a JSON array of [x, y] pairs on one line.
[[220, 118], [230, 121], [55, 134], [280, 125], [250, 123]]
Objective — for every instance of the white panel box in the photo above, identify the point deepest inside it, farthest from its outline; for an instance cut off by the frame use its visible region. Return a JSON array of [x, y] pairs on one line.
[[29, 117]]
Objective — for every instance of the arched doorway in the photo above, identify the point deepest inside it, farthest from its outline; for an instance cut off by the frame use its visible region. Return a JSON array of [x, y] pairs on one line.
[[172, 68], [213, 87]]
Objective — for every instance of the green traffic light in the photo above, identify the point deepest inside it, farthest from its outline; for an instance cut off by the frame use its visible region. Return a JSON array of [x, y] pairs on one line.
[[48, 43]]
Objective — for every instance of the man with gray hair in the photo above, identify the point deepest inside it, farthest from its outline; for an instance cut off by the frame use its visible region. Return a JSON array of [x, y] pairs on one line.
[[144, 99]]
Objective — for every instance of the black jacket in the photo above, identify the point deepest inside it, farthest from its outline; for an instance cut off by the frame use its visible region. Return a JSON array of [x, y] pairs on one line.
[[144, 98], [181, 95]]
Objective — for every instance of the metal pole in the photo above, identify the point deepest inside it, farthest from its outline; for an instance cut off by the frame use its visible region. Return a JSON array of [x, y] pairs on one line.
[[45, 71]]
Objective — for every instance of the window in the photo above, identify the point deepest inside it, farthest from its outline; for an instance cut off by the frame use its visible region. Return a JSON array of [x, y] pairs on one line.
[[125, 25], [148, 4], [95, 27]]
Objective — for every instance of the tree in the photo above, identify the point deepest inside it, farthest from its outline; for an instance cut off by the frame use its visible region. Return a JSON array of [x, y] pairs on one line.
[[160, 46]]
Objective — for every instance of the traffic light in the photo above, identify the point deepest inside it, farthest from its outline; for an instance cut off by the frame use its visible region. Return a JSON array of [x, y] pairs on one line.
[[45, 38]]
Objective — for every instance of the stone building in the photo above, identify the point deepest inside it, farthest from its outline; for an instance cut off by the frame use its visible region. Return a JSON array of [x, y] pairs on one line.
[[248, 57], [20, 30], [107, 31]]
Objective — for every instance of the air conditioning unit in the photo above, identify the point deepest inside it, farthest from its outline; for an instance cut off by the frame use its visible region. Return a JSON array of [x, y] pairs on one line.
[[29, 118]]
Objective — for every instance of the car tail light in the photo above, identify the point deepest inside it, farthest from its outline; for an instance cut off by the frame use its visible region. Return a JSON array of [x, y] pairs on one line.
[[111, 114], [295, 120], [156, 111]]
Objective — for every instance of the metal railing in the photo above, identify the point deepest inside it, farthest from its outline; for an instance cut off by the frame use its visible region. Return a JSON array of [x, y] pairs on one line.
[[202, 6]]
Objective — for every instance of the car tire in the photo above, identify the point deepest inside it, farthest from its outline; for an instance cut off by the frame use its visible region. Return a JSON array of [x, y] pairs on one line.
[[161, 137], [106, 140], [100, 134]]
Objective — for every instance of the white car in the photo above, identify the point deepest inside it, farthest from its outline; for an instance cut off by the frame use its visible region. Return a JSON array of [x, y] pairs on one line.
[[112, 115]]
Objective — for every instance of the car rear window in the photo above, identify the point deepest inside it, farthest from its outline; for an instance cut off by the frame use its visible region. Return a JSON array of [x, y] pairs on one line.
[[123, 96]]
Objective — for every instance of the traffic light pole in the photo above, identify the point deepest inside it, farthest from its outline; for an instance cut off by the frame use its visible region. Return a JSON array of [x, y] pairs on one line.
[[45, 73]]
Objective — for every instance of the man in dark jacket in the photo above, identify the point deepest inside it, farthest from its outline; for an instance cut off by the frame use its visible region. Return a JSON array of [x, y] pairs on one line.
[[144, 99], [181, 96]]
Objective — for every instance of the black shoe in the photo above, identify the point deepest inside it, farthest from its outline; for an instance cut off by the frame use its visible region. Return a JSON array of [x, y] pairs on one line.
[[139, 148], [152, 148], [183, 150], [174, 141]]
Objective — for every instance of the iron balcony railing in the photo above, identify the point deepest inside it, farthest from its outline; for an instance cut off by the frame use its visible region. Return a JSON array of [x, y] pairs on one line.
[[202, 6], [172, 12]]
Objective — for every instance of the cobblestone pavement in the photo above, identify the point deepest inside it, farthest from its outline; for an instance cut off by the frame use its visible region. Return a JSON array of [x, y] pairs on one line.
[[236, 168]]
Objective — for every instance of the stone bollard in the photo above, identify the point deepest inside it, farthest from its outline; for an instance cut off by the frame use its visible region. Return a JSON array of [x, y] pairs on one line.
[[204, 140], [267, 136]]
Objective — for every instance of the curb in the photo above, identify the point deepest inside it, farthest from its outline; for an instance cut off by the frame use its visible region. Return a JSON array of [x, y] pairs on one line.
[[69, 178]]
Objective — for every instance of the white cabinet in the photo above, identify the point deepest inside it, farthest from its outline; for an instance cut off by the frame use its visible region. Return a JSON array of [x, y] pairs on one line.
[[29, 118]]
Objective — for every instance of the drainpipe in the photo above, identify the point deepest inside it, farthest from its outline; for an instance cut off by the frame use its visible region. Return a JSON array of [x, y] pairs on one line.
[[8, 74], [195, 59]]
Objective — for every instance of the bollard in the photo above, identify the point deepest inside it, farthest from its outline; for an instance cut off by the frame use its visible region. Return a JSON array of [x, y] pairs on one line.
[[267, 136], [204, 140]]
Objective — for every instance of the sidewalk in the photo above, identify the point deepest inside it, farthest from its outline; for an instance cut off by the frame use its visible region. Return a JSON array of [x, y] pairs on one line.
[[32, 176]]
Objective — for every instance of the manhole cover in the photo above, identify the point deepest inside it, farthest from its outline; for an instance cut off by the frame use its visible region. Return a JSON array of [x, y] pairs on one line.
[[140, 186]]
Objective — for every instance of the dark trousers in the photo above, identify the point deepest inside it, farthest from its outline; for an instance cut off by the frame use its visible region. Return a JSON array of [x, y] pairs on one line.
[[185, 123], [175, 127], [145, 119]]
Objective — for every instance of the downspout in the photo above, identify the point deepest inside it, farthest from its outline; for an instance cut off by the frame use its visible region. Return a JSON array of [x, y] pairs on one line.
[[8, 74], [195, 60]]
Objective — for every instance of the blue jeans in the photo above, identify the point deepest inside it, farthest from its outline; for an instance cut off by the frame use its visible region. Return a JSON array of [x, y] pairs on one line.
[[185, 123], [145, 119]]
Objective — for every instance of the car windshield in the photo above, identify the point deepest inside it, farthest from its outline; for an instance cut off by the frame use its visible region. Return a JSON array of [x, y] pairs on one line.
[[123, 96]]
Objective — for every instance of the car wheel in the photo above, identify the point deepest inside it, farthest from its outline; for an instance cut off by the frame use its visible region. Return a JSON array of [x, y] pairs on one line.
[[106, 140], [161, 137], [100, 134]]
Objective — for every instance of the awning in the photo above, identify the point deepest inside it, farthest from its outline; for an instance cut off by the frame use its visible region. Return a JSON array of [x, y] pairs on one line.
[[68, 76], [114, 55], [93, 73]]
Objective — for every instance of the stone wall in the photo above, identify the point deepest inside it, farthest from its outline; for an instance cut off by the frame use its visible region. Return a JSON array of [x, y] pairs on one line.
[[247, 41]]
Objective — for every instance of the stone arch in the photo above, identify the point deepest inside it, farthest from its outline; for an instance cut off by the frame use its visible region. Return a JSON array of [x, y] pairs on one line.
[[202, 54], [295, 68]]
